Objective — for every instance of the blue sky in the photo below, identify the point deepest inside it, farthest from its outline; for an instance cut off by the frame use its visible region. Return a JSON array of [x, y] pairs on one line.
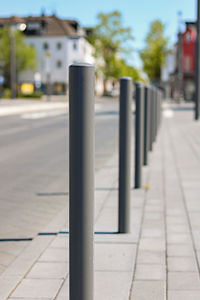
[[136, 14]]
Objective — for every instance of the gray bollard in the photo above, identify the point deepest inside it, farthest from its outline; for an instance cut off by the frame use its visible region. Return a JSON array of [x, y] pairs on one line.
[[81, 177], [151, 120], [139, 134], [146, 123], [125, 154], [154, 114]]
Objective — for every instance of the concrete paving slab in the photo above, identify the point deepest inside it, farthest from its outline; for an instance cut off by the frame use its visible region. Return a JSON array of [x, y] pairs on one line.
[[183, 281], [151, 257], [107, 259], [152, 244], [64, 291], [112, 285], [48, 270], [180, 250], [148, 290], [179, 238], [55, 255], [184, 295], [182, 264], [38, 288], [150, 272]]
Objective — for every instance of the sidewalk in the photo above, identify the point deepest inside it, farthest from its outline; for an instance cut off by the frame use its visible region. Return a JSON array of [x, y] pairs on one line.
[[159, 259]]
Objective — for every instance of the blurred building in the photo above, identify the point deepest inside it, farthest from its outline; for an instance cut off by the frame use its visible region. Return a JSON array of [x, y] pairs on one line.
[[58, 44], [178, 73]]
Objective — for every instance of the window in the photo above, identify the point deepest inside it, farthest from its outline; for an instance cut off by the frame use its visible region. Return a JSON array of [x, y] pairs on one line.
[[187, 64], [59, 64], [46, 46], [74, 46], [59, 45], [188, 37]]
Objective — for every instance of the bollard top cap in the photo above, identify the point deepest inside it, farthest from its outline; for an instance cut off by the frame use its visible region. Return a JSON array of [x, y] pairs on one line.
[[81, 64], [125, 78], [139, 84]]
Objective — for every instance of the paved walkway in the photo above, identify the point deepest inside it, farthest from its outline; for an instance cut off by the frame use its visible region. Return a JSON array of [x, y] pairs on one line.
[[159, 260]]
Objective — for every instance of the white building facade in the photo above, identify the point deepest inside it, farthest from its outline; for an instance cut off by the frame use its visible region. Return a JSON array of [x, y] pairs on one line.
[[54, 56], [58, 44]]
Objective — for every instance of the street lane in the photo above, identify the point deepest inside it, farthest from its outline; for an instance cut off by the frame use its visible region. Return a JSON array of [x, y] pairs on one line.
[[34, 167]]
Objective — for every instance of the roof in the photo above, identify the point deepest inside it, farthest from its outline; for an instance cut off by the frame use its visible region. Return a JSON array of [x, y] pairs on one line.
[[48, 25]]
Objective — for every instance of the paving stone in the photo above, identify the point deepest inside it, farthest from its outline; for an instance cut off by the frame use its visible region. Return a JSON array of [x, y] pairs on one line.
[[37, 288], [49, 270], [180, 250], [178, 238], [60, 242], [151, 244], [148, 290], [118, 238], [184, 295], [150, 272], [64, 291], [112, 285], [178, 228], [153, 216], [182, 264], [152, 233], [151, 257], [183, 281], [108, 259], [108, 220], [55, 255]]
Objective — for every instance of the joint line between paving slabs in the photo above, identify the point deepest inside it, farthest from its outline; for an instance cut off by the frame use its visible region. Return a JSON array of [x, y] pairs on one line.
[[140, 233], [165, 208]]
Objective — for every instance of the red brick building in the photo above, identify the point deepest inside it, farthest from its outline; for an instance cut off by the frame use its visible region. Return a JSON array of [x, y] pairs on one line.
[[188, 40]]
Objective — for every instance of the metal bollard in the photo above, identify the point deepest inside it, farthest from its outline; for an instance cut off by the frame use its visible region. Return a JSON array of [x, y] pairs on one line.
[[81, 187], [139, 133], [151, 120], [124, 154], [146, 124], [155, 113]]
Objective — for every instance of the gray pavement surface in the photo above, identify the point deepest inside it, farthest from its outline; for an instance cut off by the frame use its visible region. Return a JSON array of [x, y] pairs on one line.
[[159, 259], [34, 169]]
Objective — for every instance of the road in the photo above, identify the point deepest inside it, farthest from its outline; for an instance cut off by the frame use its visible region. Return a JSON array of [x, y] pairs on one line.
[[34, 166]]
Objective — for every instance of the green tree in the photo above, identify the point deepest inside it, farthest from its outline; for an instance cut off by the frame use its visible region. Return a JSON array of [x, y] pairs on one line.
[[25, 54], [110, 40], [153, 54]]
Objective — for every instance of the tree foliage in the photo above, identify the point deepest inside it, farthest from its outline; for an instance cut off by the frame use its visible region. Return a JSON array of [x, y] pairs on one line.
[[110, 39], [153, 54], [25, 54]]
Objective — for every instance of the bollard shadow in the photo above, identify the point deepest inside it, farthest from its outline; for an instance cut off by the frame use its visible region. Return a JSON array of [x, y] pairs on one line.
[[106, 189], [96, 232], [67, 232], [184, 108], [53, 194], [107, 113]]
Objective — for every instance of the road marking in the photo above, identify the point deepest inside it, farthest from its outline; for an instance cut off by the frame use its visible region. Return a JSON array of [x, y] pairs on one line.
[[41, 115]]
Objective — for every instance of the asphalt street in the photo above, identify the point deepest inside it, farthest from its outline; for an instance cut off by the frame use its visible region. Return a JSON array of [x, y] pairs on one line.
[[34, 166]]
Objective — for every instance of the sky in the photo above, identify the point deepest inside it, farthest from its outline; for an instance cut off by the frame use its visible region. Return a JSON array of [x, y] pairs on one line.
[[137, 14]]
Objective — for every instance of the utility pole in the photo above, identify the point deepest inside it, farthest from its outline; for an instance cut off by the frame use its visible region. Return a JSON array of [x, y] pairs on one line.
[[197, 65], [12, 63]]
